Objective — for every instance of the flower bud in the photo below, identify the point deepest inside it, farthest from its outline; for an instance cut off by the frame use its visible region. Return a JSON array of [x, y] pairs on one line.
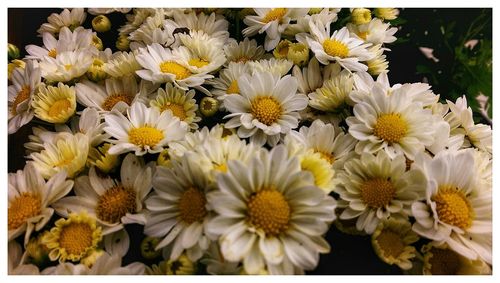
[[386, 13], [123, 43], [361, 16], [298, 53], [148, 248], [97, 42], [13, 51], [209, 106], [101, 23], [281, 50]]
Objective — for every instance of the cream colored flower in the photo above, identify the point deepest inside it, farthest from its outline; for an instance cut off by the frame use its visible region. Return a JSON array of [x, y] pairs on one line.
[[54, 104], [67, 18], [66, 66], [243, 51]]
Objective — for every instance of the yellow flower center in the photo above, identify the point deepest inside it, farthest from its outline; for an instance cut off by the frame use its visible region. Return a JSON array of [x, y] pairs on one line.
[[335, 48], [319, 167], [115, 203], [233, 87], [67, 67], [53, 53], [23, 207], [243, 59], [390, 127], [76, 238], [390, 243], [453, 207], [326, 156], [268, 210], [176, 69], [274, 14], [444, 262], [192, 206], [59, 107], [198, 62], [221, 167], [145, 136], [266, 109], [111, 101], [363, 34], [21, 96], [377, 192], [177, 110]]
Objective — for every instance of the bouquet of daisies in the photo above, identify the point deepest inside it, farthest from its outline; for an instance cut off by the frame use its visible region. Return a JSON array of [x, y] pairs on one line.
[[229, 141]]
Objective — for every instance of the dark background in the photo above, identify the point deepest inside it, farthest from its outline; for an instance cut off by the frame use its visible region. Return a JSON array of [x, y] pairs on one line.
[[352, 255]]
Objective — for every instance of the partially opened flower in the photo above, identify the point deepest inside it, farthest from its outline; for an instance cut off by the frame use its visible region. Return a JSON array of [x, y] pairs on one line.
[[30, 198], [243, 51], [54, 104], [67, 18], [66, 66], [144, 130]]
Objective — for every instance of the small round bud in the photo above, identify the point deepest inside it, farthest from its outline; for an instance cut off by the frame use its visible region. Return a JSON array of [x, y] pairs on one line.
[[361, 16], [13, 52], [148, 248], [101, 23], [123, 43], [298, 53], [386, 13], [164, 159], [209, 106]]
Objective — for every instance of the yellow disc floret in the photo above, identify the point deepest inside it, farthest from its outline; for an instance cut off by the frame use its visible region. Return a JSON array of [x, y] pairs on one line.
[[113, 99], [115, 203], [22, 208], [21, 96], [335, 48], [390, 243], [444, 262], [192, 206], [453, 207], [233, 87], [377, 192], [268, 210], [145, 136], [198, 62], [274, 15], [59, 107], [390, 127], [177, 110], [176, 69], [266, 109]]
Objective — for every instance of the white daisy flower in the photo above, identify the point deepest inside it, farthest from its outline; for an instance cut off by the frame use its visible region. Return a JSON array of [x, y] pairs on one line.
[[113, 203], [374, 188], [68, 153], [96, 71], [153, 30], [121, 64], [71, 19], [79, 39], [24, 83], [66, 66], [203, 54], [144, 130], [333, 95], [227, 82], [378, 64], [30, 198], [273, 65], [164, 65], [457, 209], [273, 21], [312, 77], [54, 104], [266, 108], [461, 122], [116, 93], [325, 16], [375, 32], [135, 20], [216, 26], [394, 123], [243, 51], [338, 47], [193, 140], [178, 208], [181, 104], [276, 218]]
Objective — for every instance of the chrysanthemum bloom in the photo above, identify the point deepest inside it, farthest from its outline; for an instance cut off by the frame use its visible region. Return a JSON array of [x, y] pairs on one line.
[[193, 140], [29, 200], [181, 103], [213, 25], [273, 21], [162, 65], [461, 123], [457, 209], [270, 216], [102, 159], [68, 154], [333, 95], [375, 32], [114, 94], [392, 242], [227, 82], [203, 54], [439, 259], [66, 66], [54, 104], [266, 108], [275, 66], [24, 84], [338, 47], [243, 51], [372, 188], [121, 64], [67, 18], [73, 238], [178, 208], [394, 123], [112, 202], [144, 130]]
